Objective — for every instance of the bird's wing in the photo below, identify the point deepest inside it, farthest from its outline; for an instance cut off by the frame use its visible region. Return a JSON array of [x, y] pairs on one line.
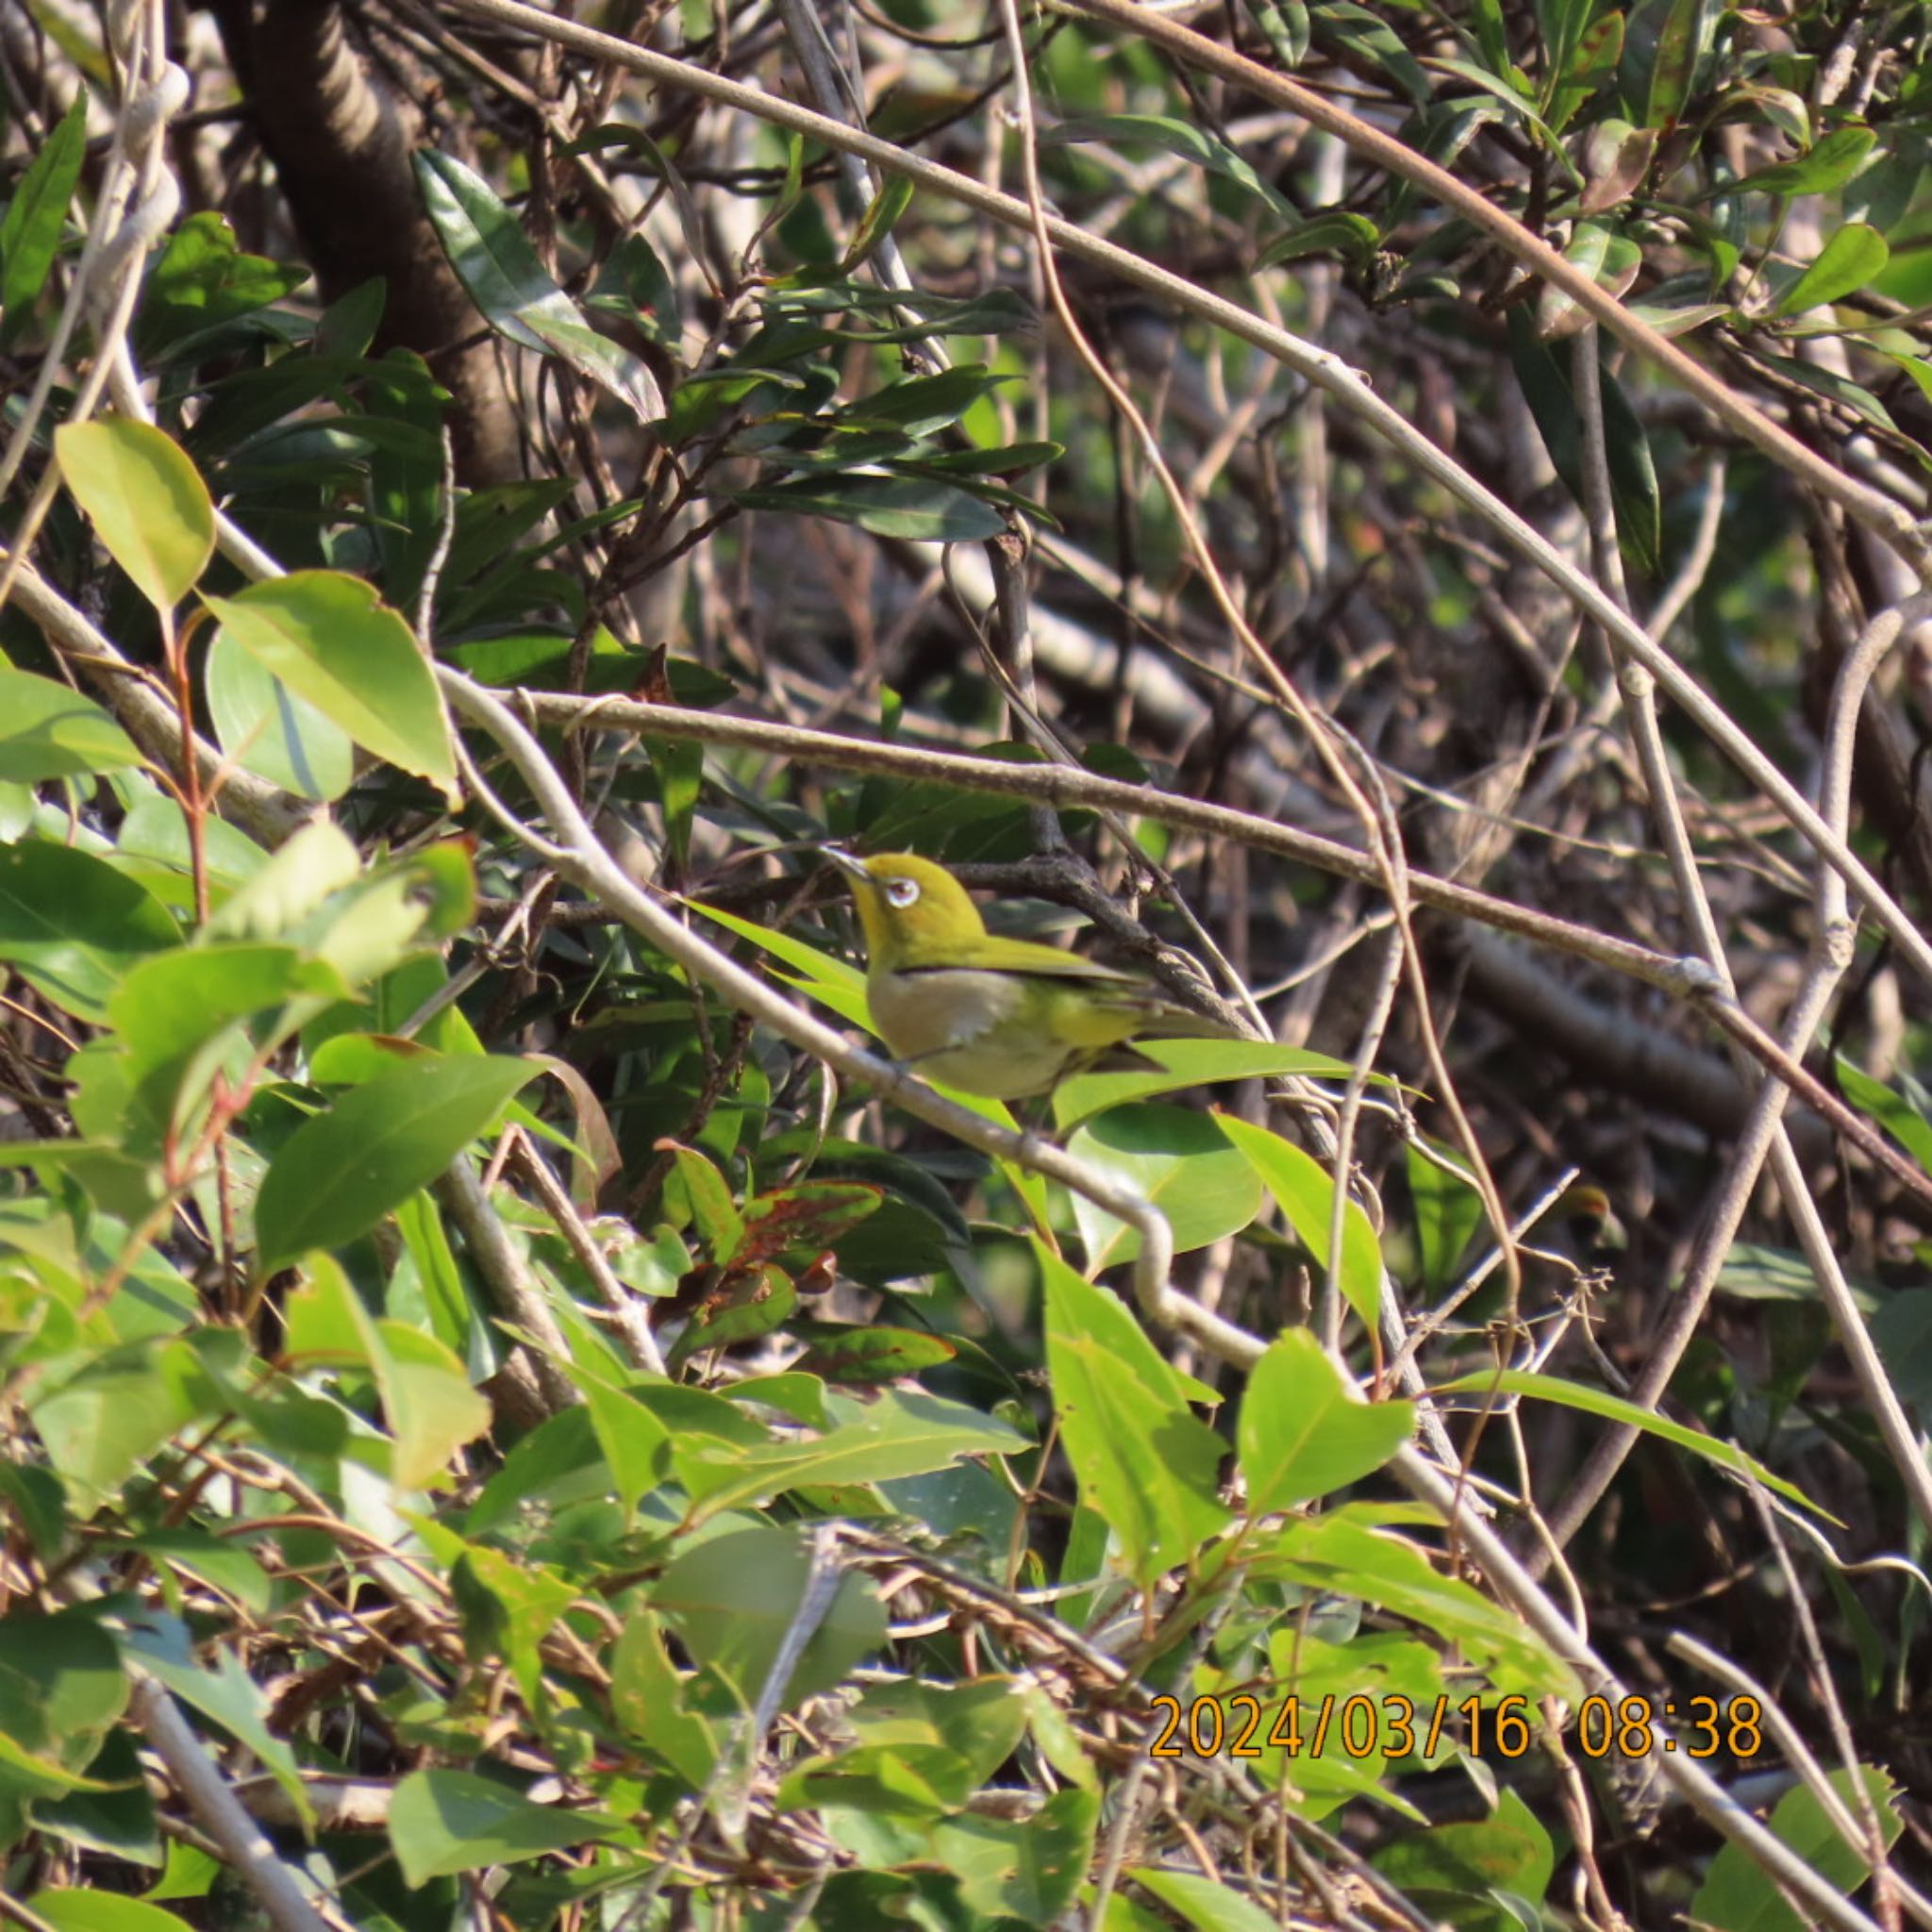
[[994, 954]]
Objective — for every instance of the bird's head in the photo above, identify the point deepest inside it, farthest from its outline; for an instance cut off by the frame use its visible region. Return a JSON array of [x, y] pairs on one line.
[[915, 912]]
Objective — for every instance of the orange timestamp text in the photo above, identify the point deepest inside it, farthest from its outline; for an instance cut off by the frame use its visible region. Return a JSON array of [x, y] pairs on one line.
[[1392, 1725]]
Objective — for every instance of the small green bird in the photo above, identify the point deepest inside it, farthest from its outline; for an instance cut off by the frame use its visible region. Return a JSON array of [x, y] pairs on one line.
[[1006, 1018]]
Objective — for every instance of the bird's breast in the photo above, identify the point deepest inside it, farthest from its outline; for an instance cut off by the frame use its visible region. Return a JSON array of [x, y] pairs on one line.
[[969, 1028]]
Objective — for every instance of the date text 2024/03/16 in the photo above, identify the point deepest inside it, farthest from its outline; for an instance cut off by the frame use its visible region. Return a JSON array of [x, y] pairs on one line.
[[1391, 1726]]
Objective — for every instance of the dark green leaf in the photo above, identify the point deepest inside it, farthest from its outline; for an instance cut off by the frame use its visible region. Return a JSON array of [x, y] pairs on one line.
[[1352, 237], [1726, 1456], [1901, 1334], [202, 281], [339, 1174], [1370, 43], [1510, 1851], [862, 1355], [1682, 43], [36, 218], [442, 1823], [1634, 491], [910, 507], [73, 923], [1182, 138], [494, 261], [1847, 394]]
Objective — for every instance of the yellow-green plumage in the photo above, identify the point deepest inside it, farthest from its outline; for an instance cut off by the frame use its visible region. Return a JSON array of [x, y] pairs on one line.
[[1001, 1017]]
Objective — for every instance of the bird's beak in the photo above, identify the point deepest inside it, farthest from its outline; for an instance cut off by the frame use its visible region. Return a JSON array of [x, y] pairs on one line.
[[851, 867]]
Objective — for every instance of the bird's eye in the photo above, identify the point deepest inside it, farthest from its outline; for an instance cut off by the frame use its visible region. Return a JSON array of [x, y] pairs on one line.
[[902, 892]]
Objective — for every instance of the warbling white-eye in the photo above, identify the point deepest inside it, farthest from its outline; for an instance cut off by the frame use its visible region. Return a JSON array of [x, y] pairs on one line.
[[1002, 1017]]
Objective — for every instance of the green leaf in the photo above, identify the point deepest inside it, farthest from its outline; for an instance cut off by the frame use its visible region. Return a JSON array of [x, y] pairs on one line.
[[1634, 493], [145, 499], [1515, 101], [1608, 258], [1893, 1112], [339, 1174], [833, 982], [1302, 1433], [1510, 1851], [73, 924], [877, 225], [169, 1008], [635, 1443], [647, 1699], [1362, 35], [1176, 1160], [732, 1598], [1353, 237], [36, 218], [916, 509], [1492, 39], [868, 1354], [101, 1423], [1682, 43], [1829, 164], [920, 405], [1740, 1895], [1024, 1869], [267, 729], [1448, 1211], [118, 1820], [1286, 28], [1342, 1552], [48, 730], [1853, 396], [226, 1693], [1855, 256], [1188, 1063], [115, 1181], [331, 640], [711, 1205], [443, 1823], [1181, 137], [101, 1911], [899, 1433], [494, 261], [1305, 1192], [1616, 157], [1147, 1463], [1901, 1334], [202, 281], [61, 1689], [432, 1409], [1725, 1455], [1205, 1904]]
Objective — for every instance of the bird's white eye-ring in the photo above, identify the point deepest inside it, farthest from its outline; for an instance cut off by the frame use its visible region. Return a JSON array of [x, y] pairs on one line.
[[902, 892]]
